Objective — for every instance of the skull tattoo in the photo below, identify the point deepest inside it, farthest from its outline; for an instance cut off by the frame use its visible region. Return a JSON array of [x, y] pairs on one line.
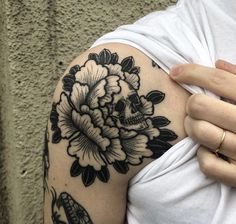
[[127, 107]]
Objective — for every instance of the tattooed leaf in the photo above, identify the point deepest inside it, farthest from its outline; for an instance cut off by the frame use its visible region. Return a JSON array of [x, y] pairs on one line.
[[68, 82], [155, 96], [114, 58], [74, 69], [46, 160], [154, 64], [121, 166], [135, 70], [159, 144], [103, 174], [127, 64], [158, 147], [105, 56], [59, 221], [160, 121], [167, 135], [88, 176], [54, 117], [76, 169], [56, 137], [94, 56]]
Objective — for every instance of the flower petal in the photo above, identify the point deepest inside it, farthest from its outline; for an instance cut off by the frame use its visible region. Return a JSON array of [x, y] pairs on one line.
[[91, 73], [96, 93], [147, 108], [78, 95], [132, 79], [112, 87], [150, 131], [135, 148], [110, 132], [96, 115], [87, 152], [65, 123], [105, 112], [114, 151], [109, 121], [125, 133], [92, 133], [98, 120], [115, 70]]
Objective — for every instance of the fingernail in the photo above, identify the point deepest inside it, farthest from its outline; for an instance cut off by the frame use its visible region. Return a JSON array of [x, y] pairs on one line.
[[175, 70], [224, 63], [228, 63]]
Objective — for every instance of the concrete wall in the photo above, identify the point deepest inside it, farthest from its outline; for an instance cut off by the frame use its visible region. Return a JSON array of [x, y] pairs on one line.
[[38, 38]]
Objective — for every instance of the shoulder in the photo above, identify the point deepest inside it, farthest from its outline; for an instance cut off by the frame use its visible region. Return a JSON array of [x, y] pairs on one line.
[[113, 112], [114, 107]]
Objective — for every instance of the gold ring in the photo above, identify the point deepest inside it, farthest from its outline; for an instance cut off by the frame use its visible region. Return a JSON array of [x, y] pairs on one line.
[[221, 142]]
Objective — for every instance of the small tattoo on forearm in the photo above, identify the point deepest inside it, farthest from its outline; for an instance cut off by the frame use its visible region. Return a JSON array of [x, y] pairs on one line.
[[66, 210], [105, 119]]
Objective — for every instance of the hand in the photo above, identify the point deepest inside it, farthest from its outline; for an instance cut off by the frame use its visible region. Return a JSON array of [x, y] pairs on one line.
[[208, 117]]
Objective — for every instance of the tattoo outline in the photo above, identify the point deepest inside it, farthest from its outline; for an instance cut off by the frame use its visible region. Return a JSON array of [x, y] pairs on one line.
[[105, 120], [155, 65], [75, 213], [46, 163]]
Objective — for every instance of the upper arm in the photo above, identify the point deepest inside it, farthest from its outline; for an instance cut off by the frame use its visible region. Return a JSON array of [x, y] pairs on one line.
[[111, 115]]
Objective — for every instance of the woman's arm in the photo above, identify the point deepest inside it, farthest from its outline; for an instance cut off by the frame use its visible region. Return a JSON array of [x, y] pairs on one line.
[[210, 121], [114, 111]]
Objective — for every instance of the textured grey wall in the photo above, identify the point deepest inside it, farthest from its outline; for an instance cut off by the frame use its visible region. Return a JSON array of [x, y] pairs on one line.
[[38, 38]]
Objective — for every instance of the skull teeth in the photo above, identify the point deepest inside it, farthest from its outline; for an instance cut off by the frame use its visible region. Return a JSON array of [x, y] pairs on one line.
[[133, 120]]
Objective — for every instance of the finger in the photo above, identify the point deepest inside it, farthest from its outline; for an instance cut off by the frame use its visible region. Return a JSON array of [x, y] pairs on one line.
[[218, 112], [210, 136], [213, 79], [227, 66], [224, 65], [216, 168]]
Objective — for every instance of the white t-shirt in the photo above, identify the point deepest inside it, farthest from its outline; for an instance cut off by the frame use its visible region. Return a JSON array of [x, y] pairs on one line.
[[172, 189]]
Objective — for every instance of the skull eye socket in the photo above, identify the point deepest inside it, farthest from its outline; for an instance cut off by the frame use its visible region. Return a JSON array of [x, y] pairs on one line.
[[134, 99], [120, 106]]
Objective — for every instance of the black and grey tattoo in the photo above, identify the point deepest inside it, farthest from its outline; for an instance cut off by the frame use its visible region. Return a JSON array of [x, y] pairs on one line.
[[154, 64], [46, 158], [66, 210], [106, 120]]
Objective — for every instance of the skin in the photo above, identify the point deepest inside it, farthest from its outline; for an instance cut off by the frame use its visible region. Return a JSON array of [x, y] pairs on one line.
[[207, 117], [71, 187]]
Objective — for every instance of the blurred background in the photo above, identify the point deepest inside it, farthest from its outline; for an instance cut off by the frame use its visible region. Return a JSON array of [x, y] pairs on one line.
[[38, 39]]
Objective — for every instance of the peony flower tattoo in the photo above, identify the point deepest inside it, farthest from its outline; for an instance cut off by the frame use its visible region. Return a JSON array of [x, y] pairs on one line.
[[105, 120]]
